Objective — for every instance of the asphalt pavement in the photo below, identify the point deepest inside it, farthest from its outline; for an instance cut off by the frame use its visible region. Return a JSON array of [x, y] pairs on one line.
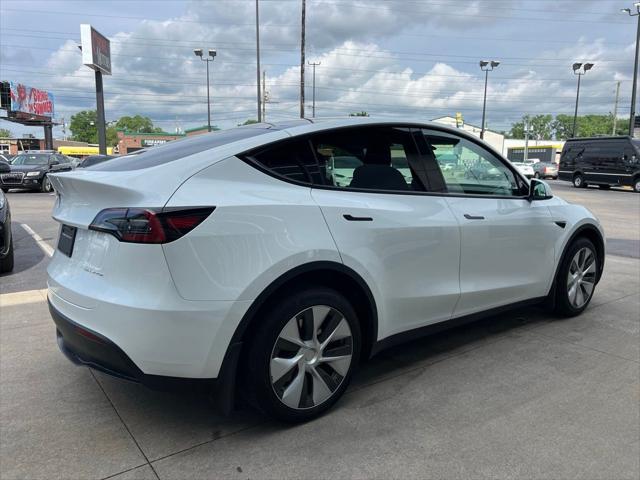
[[519, 395]]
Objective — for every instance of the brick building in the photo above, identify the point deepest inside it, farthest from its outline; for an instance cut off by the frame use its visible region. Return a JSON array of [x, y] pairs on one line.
[[131, 141]]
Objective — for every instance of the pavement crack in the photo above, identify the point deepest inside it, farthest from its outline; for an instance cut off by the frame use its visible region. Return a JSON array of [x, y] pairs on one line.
[[124, 423]]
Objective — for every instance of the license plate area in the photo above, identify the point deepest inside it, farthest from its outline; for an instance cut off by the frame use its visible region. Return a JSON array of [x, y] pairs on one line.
[[67, 239]]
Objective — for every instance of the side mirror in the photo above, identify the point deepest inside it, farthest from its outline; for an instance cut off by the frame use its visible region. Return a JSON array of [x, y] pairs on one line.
[[539, 190]]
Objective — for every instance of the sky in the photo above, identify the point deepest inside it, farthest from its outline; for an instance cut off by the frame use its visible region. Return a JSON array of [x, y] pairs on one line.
[[414, 59]]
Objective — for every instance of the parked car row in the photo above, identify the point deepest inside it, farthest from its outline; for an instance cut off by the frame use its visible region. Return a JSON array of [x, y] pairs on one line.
[[30, 170]]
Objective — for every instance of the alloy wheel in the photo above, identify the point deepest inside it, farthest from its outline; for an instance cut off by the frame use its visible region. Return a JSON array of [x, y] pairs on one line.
[[636, 186], [311, 357], [581, 278], [577, 181]]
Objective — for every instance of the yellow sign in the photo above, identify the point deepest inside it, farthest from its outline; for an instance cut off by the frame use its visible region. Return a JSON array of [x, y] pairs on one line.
[[82, 151]]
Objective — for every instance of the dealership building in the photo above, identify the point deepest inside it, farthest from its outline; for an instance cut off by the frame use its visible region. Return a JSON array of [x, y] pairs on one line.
[[129, 142]]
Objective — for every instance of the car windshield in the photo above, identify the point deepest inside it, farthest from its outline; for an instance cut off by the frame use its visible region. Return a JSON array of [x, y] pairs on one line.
[[31, 159]]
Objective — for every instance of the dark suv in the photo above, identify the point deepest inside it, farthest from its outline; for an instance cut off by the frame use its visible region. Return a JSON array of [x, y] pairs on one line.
[[29, 170], [603, 161]]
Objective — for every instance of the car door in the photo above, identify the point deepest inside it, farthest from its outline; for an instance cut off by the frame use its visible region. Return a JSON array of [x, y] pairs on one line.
[[507, 242], [402, 241]]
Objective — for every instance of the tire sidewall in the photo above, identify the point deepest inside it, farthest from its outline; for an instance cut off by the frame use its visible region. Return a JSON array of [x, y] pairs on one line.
[[636, 185], [563, 305], [46, 185], [578, 181], [261, 347]]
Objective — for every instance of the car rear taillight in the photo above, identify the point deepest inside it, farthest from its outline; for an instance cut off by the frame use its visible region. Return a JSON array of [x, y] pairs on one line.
[[544, 169], [148, 225]]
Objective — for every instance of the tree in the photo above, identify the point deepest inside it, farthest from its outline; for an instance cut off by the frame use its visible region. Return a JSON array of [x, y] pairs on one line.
[[588, 126], [359, 114], [138, 124], [5, 133], [541, 127], [83, 126]]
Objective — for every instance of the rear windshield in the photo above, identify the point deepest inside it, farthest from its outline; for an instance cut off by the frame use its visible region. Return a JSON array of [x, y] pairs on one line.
[[179, 149]]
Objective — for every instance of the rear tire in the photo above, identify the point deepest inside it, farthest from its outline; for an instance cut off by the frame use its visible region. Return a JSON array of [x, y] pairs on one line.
[[293, 379], [576, 279], [636, 184], [536, 175], [578, 181], [6, 264]]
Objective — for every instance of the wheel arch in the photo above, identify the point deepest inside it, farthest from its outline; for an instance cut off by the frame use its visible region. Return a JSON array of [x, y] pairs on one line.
[[320, 273], [590, 232]]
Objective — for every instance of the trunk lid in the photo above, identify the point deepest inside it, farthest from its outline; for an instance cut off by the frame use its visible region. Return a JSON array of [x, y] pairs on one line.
[[81, 194]]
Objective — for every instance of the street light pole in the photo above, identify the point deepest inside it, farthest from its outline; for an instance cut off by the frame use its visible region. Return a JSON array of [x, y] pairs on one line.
[[486, 66], [632, 115], [313, 101], [579, 69], [212, 54], [260, 115]]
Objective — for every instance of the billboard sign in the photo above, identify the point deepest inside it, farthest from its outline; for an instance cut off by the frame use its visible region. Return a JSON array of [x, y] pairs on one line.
[[30, 101], [96, 49]]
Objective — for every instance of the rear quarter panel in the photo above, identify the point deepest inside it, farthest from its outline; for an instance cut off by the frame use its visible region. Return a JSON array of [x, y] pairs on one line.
[[261, 228]]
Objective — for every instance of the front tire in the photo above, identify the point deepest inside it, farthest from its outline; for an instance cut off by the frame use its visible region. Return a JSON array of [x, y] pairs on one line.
[[301, 358], [636, 184], [536, 175], [5, 190], [576, 280], [578, 181], [46, 185]]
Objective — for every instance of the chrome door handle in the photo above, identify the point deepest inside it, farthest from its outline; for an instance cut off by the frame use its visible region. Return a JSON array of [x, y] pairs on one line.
[[351, 218], [473, 217]]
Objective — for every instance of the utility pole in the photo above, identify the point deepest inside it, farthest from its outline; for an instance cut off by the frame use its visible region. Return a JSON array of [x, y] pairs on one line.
[[632, 115], [264, 96], [304, 6], [313, 104], [615, 109], [525, 157], [258, 60]]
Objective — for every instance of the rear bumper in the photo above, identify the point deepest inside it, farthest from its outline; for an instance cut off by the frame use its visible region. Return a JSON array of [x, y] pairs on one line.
[[86, 347]]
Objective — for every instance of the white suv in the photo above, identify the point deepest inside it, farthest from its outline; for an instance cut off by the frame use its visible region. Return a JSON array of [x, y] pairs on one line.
[[237, 259]]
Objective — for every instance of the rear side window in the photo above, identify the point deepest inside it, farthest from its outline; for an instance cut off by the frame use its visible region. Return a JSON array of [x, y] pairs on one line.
[[292, 159], [179, 149]]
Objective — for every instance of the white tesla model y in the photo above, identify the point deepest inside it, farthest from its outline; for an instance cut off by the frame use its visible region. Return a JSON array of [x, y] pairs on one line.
[[270, 259]]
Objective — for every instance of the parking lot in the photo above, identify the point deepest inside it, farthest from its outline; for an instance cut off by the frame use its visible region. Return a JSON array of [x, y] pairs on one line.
[[519, 395]]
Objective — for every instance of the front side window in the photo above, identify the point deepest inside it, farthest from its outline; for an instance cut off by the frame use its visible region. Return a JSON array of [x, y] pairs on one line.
[[369, 158], [468, 168]]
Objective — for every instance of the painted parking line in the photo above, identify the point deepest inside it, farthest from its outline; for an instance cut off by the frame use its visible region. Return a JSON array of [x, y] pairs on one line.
[[44, 246], [23, 298]]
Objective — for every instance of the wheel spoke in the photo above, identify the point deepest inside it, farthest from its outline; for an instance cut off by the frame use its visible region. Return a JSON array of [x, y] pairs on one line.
[[340, 363], [579, 296], [591, 268], [588, 287], [293, 392], [291, 333], [572, 293], [340, 330], [320, 312], [282, 366], [321, 390]]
